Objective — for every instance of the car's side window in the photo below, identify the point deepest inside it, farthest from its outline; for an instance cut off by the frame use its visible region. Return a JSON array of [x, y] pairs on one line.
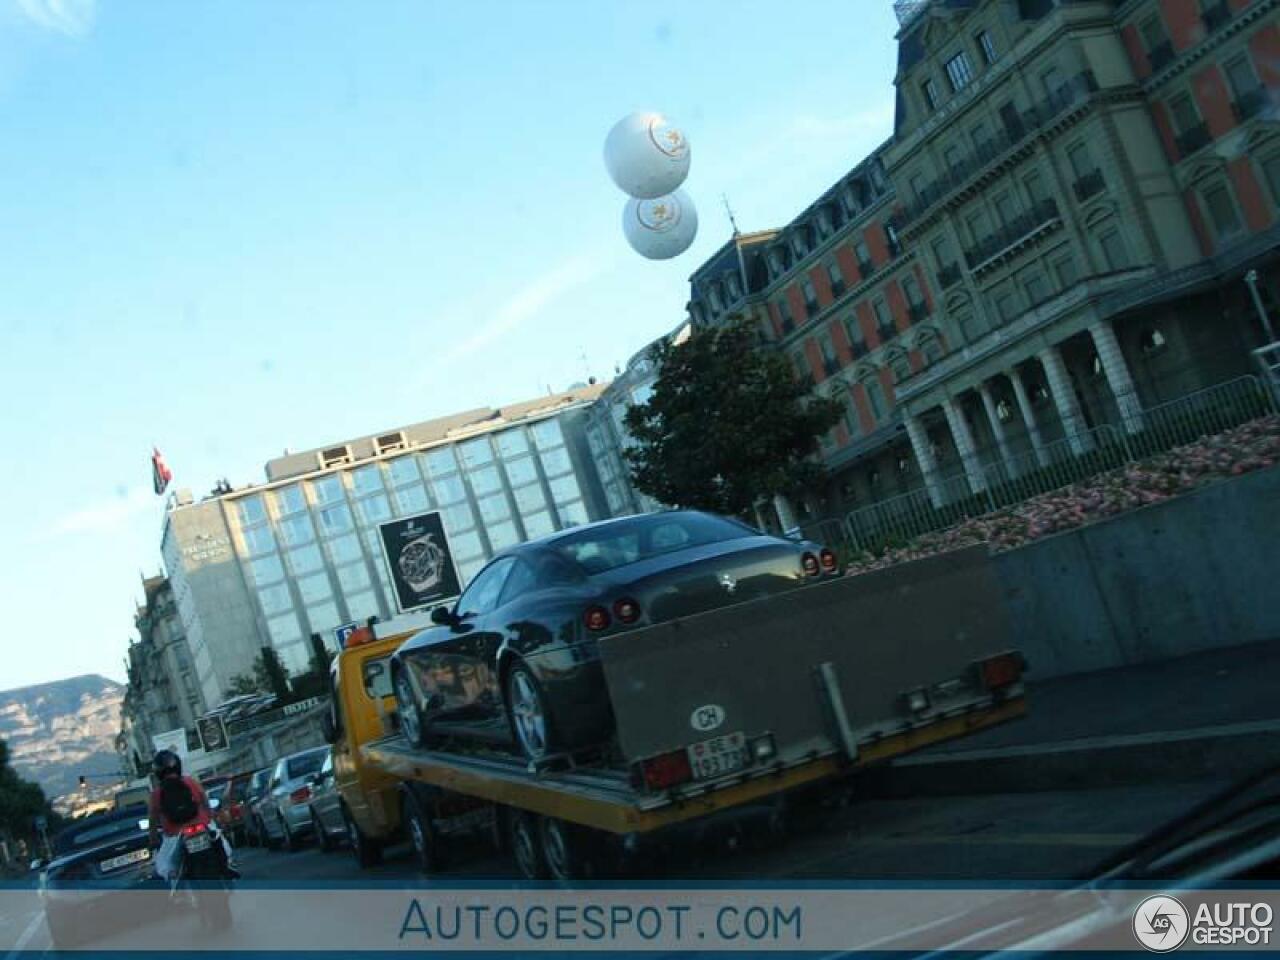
[[553, 571], [521, 580], [482, 594]]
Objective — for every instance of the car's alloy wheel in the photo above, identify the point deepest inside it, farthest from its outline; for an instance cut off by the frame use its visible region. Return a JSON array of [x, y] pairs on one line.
[[407, 705], [528, 713], [367, 851], [526, 846]]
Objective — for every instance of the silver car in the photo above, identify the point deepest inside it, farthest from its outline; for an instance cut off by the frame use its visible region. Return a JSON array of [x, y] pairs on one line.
[[326, 807], [285, 810]]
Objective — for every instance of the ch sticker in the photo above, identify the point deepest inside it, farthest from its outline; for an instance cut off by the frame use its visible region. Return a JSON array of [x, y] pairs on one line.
[[707, 718]]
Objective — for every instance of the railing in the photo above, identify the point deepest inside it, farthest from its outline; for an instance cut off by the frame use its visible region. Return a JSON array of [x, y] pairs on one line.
[[1250, 103], [1057, 464], [1215, 15], [1088, 185], [1006, 236], [1160, 56], [1015, 132], [949, 274], [1193, 138]]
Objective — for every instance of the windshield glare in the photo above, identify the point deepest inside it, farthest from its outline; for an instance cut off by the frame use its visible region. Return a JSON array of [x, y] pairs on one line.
[[614, 545]]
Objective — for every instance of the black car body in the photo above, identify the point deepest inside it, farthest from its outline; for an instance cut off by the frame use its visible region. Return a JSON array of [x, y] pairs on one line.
[[93, 859], [516, 661]]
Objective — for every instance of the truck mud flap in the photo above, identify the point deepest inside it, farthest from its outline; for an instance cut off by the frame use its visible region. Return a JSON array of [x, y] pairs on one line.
[[814, 671]]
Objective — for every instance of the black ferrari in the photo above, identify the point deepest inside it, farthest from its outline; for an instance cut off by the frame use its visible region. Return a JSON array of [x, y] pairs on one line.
[[93, 859], [515, 661]]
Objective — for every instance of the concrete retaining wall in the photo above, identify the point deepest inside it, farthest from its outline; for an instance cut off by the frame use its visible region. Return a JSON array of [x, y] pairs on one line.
[[1193, 573]]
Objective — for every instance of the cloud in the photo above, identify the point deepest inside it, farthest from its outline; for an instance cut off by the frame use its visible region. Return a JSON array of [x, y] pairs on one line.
[[71, 18], [528, 302], [107, 516]]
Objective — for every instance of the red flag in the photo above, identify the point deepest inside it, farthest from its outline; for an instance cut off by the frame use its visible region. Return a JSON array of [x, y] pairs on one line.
[[160, 475]]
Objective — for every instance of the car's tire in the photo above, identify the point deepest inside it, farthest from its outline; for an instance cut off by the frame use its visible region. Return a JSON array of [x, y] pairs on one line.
[[64, 930], [327, 843], [525, 843], [367, 850], [570, 852], [429, 851], [528, 713], [412, 723], [290, 841]]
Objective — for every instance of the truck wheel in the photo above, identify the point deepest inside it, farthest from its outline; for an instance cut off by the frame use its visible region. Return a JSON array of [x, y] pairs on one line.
[[570, 852], [526, 845], [412, 724], [428, 846], [528, 714], [367, 850], [327, 842]]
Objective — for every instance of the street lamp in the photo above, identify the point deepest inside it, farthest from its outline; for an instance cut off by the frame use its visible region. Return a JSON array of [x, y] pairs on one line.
[[1251, 280]]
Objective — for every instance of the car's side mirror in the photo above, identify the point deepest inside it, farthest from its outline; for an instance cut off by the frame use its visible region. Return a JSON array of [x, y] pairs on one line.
[[327, 729], [444, 616], [37, 864]]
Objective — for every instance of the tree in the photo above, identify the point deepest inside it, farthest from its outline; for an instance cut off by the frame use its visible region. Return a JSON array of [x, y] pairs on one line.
[[727, 424], [267, 676], [21, 801]]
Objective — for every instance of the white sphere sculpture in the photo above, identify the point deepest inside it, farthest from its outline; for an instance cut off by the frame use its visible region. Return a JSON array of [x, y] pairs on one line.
[[661, 227], [646, 155]]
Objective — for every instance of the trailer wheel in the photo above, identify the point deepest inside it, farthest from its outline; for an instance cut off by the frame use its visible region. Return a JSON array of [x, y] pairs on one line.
[[526, 845], [428, 847], [571, 852], [367, 850]]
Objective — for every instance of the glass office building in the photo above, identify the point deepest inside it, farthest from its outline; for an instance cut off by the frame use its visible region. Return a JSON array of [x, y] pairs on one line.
[[307, 546]]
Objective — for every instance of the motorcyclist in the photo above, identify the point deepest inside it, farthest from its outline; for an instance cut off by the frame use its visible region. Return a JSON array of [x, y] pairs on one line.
[[172, 808]]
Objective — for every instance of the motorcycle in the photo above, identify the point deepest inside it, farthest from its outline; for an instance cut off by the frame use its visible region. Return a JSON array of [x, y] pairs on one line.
[[205, 873]]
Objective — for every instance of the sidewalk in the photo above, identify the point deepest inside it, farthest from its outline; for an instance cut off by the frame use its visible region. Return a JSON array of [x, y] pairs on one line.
[[1210, 715]]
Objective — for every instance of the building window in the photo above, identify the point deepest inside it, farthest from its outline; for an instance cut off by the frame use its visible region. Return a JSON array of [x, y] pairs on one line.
[[1183, 111], [1006, 207], [327, 489], [864, 258], [1152, 31], [1034, 285], [259, 540], [1078, 157], [1151, 340], [829, 359], [912, 291], [1113, 250], [988, 47], [959, 71], [853, 330], [290, 500], [1241, 76], [979, 226], [1006, 300], [784, 316], [917, 187], [1034, 185], [836, 279], [1052, 80], [929, 91], [875, 398], [981, 138], [883, 320], [810, 297], [1271, 171], [931, 349], [334, 520], [1064, 270], [1004, 412], [367, 480], [1222, 211], [899, 367], [251, 510]]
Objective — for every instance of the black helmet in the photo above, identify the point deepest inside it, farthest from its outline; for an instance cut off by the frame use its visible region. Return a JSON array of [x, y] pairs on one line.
[[167, 763]]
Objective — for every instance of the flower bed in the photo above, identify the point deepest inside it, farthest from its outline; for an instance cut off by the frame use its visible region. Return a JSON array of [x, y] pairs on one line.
[[1251, 446]]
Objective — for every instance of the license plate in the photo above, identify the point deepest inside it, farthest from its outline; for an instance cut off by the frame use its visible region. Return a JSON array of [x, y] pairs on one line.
[[115, 863], [718, 756], [196, 843]]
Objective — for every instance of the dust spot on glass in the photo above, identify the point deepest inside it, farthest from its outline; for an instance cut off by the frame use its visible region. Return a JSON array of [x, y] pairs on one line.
[[268, 366], [122, 491], [662, 33], [179, 158]]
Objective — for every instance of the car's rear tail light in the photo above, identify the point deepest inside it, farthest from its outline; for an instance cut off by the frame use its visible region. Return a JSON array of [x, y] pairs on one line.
[[626, 610], [596, 618], [1001, 671], [301, 795], [827, 556], [810, 564], [665, 770]]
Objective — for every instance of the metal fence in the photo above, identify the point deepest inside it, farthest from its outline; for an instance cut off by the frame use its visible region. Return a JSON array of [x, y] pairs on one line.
[[1010, 480]]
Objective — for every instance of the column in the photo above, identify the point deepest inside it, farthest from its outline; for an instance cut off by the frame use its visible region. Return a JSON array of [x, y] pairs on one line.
[[1117, 373], [1064, 400], [924, 457], [786, 515], [964, 445], [997, 429], [1028, 417]]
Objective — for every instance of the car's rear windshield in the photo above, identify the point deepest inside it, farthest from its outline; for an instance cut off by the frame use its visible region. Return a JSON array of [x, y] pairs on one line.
[[305, 764], [96, 832], [597, 549]]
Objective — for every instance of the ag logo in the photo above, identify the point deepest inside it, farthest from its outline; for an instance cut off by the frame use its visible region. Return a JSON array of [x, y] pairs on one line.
[[707, 718], [1161, 923]]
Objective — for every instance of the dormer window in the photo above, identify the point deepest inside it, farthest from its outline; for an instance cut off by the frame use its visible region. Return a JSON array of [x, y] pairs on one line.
[[825, 222]]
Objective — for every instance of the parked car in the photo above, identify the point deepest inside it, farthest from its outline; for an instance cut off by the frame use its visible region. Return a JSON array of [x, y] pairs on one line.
[[516, 660], [93, 859], [326, 806], [255, 795], [233, 815], [286, 809]]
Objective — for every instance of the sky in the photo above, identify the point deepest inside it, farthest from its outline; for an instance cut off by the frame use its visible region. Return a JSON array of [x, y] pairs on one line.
[[230, 228]]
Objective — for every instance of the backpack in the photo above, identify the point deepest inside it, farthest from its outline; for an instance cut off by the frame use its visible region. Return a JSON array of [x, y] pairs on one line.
[[177, 802]]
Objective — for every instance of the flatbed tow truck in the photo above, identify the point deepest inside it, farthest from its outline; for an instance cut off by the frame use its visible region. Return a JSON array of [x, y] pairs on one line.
[[791, 691]]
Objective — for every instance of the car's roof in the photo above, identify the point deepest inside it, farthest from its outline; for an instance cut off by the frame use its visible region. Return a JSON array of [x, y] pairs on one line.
[[553, 538]]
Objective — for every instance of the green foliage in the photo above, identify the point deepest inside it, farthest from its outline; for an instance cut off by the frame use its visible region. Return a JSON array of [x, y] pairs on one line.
[[21, 801], [727, 424]]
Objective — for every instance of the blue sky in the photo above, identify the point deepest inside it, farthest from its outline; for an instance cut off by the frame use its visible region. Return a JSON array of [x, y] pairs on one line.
[[227, 228]]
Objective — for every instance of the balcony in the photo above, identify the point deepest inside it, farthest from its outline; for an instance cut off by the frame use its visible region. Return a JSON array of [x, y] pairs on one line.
[[1090, 184], [917, 312], [1012, 233], [948, 275], [1160, 56], [1015, 131], [1250, 103], [1193, 138], [1215, 15]]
